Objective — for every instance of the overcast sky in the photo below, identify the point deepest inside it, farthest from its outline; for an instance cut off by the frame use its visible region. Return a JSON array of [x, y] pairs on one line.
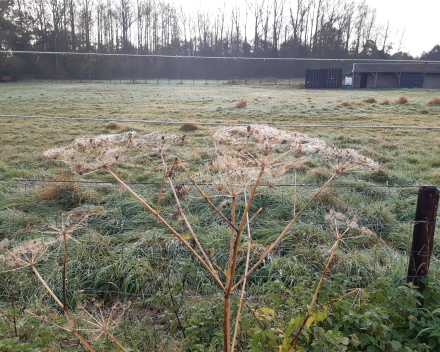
[[420, 19]]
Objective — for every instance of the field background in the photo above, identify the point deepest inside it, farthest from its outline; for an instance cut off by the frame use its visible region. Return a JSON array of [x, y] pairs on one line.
[[124, 254], [407, 155]]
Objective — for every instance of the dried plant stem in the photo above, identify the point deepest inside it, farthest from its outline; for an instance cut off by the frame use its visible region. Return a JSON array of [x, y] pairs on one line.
[[253, 313], [293, 343], [335, 246], [237, 320], [285, 231], [253, 217], [231, 243], [240, 229], [64, 268], [315, 296], [115, 340], [176, 311], [188, 225], [13, 307], [205, 196], [161, 187], [229, 278], [72, 329], [47, 287], [169, 227], [46, 321]]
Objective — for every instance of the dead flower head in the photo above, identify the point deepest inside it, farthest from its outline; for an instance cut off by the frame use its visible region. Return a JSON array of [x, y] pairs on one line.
[[102, 319], [86, 155], [260, 149], [27, 254], [340, 224], [346, 160]]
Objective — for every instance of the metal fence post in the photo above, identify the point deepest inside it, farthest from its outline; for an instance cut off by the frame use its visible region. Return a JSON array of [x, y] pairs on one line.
[[423, 235]]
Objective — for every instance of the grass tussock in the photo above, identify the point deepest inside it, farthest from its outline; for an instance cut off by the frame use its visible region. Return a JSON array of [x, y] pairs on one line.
[[112, 125], [385, 102], [188, 127], [66, 194], [345, 104], [241, 104], [402, 100], [423, 111], [434, 101], [369, 101]]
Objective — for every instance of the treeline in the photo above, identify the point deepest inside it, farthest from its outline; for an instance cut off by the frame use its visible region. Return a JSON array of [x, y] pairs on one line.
[[255, 28]]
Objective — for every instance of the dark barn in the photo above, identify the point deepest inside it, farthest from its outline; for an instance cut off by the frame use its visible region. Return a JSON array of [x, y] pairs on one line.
[[396, 75], [324, 78]]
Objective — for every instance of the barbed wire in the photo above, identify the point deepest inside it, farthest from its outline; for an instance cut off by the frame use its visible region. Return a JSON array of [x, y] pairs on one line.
[[242, 58], [223, 124], [158, 184]]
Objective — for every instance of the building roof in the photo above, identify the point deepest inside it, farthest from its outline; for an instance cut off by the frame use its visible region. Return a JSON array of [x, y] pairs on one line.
[[397, 67]]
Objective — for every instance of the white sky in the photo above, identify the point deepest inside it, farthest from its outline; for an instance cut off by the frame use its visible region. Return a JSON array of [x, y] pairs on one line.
[[419, 18]]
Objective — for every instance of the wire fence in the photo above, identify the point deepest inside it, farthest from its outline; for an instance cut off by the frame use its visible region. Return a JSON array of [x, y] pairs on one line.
[[154, 122], [125, 254], [29, 205], [184, 80]]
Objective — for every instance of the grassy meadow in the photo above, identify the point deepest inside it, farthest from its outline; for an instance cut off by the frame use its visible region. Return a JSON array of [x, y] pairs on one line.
[[125, 254]]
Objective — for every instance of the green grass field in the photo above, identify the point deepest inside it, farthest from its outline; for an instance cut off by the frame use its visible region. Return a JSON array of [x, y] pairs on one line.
[[407, 156], [125, 254]]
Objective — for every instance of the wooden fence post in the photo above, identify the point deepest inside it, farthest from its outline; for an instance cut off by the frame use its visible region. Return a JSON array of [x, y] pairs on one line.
[[423, 235]]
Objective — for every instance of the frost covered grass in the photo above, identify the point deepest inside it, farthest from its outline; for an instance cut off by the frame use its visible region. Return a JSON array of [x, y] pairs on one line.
[[406, 155]]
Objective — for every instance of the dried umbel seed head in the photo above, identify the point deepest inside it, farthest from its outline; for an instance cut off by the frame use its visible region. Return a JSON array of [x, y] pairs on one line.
[[335, 220], [85, 155], [345, 160], [269, 149], [366, 232], [4, 243], [27, 254], [102, 319]]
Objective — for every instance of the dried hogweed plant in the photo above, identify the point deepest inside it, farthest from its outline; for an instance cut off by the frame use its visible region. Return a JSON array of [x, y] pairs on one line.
[[246, 158], [31, 253], [101, 320], [340, 226]]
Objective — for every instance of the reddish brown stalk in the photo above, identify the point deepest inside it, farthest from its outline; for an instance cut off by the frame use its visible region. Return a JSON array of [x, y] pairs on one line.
[[284, 232], [174, 232], [161, 187], [315, 296], [229, 278], [13, 307], [227, 323], [188, 225], [72, 329], [47, 287], [240, 229], [205, 196], [64, 267], [116, 341], [293, 343], [237, 320], [231, 243]]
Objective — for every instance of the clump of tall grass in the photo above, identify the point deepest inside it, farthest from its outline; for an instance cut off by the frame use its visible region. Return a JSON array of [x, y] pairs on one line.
[[246, 157], [241, 104], [345, 104], [369, 101], [402, 100], [385, 102], [112, 125], [188, 127], [434, 101]]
